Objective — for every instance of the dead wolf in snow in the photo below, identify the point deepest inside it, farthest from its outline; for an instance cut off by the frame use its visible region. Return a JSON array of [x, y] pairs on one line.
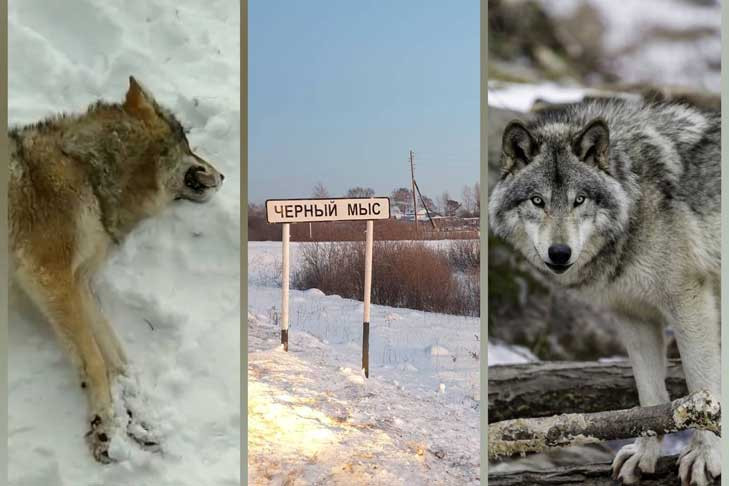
[[78, 185]]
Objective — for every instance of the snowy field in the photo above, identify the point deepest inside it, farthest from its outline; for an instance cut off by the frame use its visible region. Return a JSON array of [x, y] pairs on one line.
[[314, 419], [172, 290]]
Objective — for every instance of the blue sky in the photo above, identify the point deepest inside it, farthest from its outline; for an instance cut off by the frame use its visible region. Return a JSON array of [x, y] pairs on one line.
[[339, 91]]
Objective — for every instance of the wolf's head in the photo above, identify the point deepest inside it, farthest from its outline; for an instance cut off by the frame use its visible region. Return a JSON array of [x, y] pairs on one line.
[[184, 174], [557, 201]]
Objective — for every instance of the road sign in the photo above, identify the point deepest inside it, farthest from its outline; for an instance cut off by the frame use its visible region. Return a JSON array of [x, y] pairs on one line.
[[331, 209], [287, 211]]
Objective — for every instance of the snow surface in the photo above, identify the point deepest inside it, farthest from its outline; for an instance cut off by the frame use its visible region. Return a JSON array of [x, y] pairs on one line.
[[172, 291], [503, 354], [521, 97], [313, 418]]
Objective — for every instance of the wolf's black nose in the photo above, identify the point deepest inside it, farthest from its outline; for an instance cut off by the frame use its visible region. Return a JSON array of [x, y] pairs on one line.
[[559, 254]]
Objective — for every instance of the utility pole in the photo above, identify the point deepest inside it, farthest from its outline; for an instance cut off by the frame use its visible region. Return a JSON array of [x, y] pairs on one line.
[[415, 204]]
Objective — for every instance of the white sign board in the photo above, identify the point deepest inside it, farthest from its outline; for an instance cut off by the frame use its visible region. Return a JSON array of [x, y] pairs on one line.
[[332, 209]]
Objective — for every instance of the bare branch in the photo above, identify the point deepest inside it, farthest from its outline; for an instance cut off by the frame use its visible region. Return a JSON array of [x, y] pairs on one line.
[[698, 410]]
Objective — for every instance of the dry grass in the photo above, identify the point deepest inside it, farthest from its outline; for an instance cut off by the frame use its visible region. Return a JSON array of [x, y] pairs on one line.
[[405, 274], [465, 255]]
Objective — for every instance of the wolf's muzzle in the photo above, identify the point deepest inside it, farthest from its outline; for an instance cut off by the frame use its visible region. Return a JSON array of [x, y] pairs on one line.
[[198, 179], [559, 256]]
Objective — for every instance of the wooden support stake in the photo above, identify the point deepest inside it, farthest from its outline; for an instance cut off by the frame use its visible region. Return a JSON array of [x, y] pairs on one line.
[[285, 287], [367, 296]]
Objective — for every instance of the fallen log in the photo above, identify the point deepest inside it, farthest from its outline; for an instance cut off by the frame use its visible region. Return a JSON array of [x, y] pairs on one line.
[[666, 474], [698, 410], [550, 388]]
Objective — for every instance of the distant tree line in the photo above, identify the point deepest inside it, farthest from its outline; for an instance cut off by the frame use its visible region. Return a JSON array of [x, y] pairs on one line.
[[401, 198]]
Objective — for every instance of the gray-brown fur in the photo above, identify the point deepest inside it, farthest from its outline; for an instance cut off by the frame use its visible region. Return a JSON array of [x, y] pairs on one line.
[[78, 184]]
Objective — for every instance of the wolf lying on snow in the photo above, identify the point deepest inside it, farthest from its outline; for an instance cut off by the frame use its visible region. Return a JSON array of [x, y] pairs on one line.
[[621, 200], [79, 183]]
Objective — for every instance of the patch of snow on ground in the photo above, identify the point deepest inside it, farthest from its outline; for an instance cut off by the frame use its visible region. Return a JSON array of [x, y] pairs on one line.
[[503, 354], [521, 97], [172, 291], [314, 418]]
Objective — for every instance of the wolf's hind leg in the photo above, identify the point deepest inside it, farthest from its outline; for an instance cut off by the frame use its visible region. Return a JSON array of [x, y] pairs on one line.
[[109, 344], [116, 361], [646, 347], [59, 295]]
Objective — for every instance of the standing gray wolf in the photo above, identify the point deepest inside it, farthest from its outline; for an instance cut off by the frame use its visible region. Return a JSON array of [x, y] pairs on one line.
[[78, 185], [621, 200]]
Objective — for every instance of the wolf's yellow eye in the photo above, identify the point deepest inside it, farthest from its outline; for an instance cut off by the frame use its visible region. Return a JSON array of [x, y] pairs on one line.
[[537, 201], [579, 200]]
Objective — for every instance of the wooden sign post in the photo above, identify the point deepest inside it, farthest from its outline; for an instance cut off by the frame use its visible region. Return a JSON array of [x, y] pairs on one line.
[[285, 286], [367, 296], [287, 211]]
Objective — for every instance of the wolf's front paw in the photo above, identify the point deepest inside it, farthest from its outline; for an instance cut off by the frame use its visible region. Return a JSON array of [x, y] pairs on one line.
[[98, 439], [700, 463], [635, 459]]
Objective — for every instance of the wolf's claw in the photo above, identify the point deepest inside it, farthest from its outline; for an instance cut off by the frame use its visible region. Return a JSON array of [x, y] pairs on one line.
[[98, 440], [700, 462], [636, 459]]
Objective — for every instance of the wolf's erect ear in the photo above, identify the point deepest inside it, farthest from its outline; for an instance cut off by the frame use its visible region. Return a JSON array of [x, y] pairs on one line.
[[517, 147], [137, 103], [591, 144]]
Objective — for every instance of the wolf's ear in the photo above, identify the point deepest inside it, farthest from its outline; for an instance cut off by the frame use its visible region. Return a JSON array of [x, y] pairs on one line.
[[517, 147], [591, 144], [137, 103]]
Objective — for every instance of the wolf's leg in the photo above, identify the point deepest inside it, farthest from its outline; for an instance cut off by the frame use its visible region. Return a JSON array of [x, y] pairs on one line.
[[697, 329], [59, 295], [646, 347], [109, 344], [115, 357], [21, 293]]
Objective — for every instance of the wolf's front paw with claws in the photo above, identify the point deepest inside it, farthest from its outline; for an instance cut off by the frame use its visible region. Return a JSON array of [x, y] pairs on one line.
[[98, 439], [700, 463], [635, 459]]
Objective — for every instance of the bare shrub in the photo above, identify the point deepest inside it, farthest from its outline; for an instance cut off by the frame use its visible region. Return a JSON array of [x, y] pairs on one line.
[[415, 276], [465, 255], [405, 274], [469, 291]]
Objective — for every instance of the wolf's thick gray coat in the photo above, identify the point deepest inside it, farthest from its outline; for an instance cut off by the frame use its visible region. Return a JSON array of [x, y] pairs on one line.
[[621, 201]]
